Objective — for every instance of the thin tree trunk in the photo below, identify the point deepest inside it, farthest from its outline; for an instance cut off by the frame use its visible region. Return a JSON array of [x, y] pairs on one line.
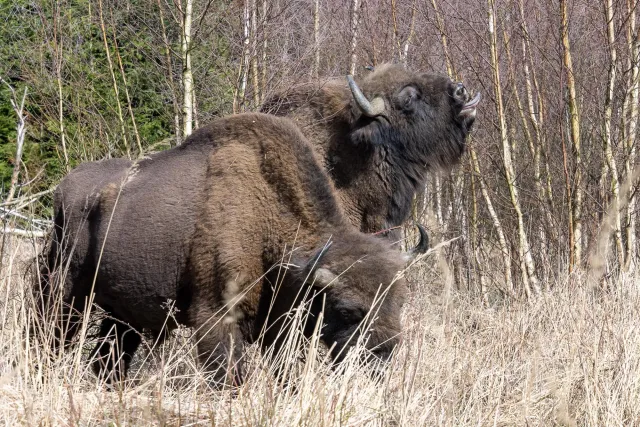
[[63, 140], [243, 73], [443, 38], [254, 53], [608, 113], [630, 114], [502, 240], [534, 149], [574, 122], [172, 86], [114, 81], [187, 72], [474, 238], [265, 46], [126, 91], [58, 49], [437, 181], [355, 19], [531, 284], [20, 131], [537, 119], [404, 53], [316, 39]]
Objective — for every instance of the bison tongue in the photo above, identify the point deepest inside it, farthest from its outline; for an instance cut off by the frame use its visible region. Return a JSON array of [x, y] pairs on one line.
[[473, 103]]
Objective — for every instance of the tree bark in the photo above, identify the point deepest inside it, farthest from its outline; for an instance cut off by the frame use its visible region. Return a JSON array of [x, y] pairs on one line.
[[18, 108], [172, 86], [355, 19], [610, 160], [630, 116], [113, 81], [316, 39], [187, 72], [574, 126], [531, 285]]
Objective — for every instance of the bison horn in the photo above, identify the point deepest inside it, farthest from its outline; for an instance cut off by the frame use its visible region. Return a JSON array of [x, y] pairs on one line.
[[315, 261], [370, 109], [423, 244]]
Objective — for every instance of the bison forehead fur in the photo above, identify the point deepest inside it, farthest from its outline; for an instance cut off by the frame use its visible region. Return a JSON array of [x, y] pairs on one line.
[[379, 162], [202, 225]]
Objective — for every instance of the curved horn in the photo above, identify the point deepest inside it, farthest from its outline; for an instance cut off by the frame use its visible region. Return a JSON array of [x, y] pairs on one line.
[[370, 109], [423, 244], [316, 259]]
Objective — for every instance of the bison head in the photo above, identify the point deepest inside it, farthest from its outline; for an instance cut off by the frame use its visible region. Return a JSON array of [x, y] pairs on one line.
[[362, 294], [421, 118]]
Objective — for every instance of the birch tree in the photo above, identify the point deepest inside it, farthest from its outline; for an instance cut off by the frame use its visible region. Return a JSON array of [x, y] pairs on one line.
[[527, 266], [610, 161], [355, 19], [576, 196], [188, 101], [169, 76], [114, 82], [630, 125], [18, 108], [316, 39]]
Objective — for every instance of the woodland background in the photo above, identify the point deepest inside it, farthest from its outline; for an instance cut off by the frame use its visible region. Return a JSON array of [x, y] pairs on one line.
[[528, 317], [554, 141]]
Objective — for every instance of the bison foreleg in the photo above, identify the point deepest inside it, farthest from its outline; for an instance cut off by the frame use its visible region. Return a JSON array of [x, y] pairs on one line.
[[112, 354], [220, 351]]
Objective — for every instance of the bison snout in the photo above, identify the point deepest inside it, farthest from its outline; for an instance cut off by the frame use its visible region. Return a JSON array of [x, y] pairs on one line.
[[461, 92]]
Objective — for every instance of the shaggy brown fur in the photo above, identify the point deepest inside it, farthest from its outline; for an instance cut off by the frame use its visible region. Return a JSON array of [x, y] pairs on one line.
[[379, 163], [202, 225]]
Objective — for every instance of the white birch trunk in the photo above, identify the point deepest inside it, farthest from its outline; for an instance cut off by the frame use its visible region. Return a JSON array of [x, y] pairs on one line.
[[608, 151], [526, 262], [187, 72], [354, 36]]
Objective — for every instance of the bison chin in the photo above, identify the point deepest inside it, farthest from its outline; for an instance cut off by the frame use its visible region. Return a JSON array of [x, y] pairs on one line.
[[376, 358]]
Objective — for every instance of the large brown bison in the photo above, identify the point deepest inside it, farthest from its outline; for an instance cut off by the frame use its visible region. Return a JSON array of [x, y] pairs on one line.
[[202, 225], [379, 138]]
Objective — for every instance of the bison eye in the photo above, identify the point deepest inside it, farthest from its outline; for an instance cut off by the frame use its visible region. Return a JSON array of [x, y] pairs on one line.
[[351, 315], [407, 98]]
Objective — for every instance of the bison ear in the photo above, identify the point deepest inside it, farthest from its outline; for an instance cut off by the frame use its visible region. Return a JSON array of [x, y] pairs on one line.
[[323, 277], [406, 99]]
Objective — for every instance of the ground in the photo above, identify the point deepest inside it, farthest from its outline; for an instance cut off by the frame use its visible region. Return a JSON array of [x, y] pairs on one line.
[[571, 357]]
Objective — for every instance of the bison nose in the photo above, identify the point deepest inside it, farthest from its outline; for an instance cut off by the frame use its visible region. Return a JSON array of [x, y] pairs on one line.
[[461, 92], [384, 351]]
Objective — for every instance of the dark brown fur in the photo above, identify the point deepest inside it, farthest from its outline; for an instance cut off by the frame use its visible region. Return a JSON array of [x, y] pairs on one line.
[[202, 225], [378, 164]]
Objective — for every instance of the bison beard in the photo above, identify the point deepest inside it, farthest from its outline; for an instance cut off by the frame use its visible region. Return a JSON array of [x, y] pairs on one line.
[[202, 225], [378, 140]]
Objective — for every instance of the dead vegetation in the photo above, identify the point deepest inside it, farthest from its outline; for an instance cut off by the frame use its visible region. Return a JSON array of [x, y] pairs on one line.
[[568, 358]]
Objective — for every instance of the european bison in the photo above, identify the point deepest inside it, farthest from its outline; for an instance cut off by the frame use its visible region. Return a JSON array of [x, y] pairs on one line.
[[379, 138], [202, 225]]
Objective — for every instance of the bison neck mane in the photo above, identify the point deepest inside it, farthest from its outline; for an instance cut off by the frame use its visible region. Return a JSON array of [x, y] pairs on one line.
[[375, 173]]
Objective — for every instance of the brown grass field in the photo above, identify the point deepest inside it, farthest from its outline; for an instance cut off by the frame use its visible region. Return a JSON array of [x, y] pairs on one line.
[[571, 357]]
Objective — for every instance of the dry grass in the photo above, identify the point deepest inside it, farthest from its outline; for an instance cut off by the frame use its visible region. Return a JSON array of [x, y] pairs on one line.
[[570, 358]]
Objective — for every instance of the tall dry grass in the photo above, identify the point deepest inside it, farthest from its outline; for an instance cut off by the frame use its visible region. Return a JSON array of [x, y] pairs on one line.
[[571, 357]]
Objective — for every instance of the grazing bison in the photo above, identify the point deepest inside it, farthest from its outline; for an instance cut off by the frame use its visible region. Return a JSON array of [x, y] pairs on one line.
[[377, 140], [202, 225]]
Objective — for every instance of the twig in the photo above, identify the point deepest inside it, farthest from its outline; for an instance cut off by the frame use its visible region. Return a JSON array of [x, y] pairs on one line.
[[19, 110], [434, 249], [23, 233], [27, 199], [7, 212]]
